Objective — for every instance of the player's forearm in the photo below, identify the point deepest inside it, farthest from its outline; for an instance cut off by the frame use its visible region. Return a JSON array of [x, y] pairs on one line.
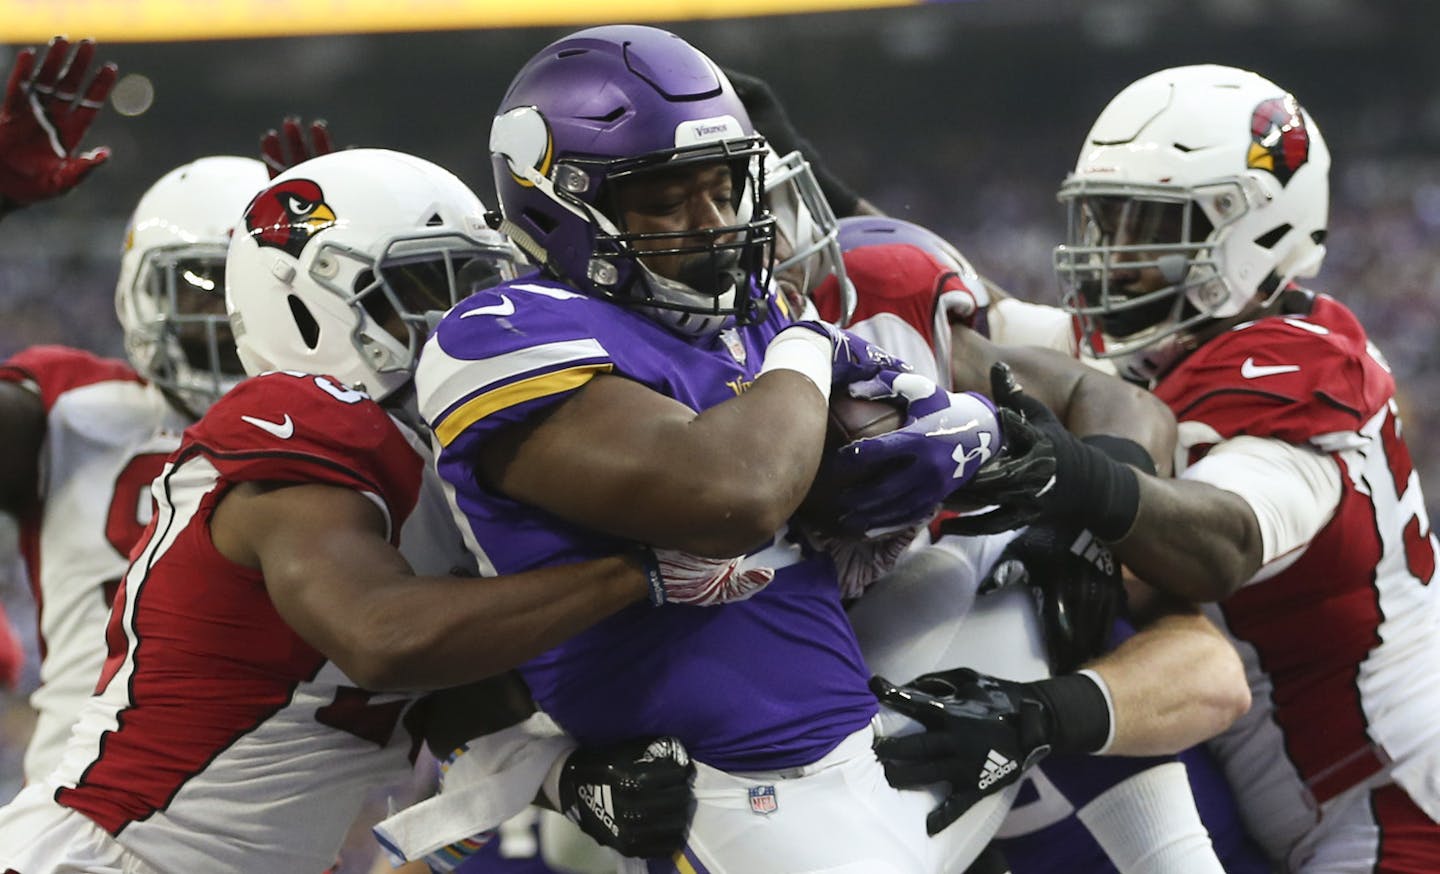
[[1175, 684], [1193, 540], [1085, 400], [1101, 404], [435, 632]]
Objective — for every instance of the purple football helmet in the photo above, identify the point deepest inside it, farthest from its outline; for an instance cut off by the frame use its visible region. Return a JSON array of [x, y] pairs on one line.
[[607, 103]]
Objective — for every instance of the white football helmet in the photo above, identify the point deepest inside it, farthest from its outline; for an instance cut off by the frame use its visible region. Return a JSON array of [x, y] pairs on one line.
[[343, 263], [1213, 176], [171, 292], [806, 230]]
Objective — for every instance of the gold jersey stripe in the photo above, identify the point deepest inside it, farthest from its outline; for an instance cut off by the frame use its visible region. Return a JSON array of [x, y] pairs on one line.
[[501, 398]]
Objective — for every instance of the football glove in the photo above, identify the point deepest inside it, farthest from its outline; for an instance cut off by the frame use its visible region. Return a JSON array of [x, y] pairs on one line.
[[283, 149], [697, 581], [1047, 473], [1078, 587], [634, 797], [854, 359], [983, 732], [900, 478], [44, 116], [860, 561]]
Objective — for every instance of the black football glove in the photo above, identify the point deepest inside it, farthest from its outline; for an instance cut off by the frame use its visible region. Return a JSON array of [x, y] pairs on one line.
[[1048, 474], [983, 732], [1078, 588], [634, 796]]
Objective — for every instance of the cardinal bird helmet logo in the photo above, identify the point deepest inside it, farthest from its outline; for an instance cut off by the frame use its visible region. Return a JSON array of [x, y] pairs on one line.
[[1279, 140], [287, 215]]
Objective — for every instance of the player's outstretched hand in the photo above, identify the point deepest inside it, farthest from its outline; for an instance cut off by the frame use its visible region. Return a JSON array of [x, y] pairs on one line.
[[43, 118], [635, 797], [981, 734], [284, 148], [1048, 474]]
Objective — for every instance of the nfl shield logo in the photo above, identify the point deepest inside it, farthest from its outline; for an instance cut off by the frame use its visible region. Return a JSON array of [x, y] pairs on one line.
[[731, 338], [762, 800]]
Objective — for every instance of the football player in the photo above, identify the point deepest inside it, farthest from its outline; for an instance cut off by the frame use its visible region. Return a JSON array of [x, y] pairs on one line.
[[44, 116], [296, 586], [620, 391], [901, 285], [916, 292], [1199, 198], [86, 434]]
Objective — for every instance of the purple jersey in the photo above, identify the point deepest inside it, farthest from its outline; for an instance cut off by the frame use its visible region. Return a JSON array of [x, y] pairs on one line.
[[773, 682]]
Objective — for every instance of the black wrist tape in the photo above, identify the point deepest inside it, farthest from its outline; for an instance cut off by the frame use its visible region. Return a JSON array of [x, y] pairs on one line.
[[1079, 717], [1094, 490], [1123, 450]]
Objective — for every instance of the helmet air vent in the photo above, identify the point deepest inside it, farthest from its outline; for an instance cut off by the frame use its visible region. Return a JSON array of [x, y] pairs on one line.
[[309, 328], [1268, 239]]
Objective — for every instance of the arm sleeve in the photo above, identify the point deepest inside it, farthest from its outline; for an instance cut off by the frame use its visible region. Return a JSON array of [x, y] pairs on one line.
[[1293, 491]]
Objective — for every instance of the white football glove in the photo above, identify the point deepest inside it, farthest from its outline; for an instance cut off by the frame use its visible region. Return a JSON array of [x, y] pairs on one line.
[[860, 561], [704, 582]]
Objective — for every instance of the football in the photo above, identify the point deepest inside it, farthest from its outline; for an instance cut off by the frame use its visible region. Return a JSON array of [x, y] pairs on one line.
[[854, 418], [850, 419]]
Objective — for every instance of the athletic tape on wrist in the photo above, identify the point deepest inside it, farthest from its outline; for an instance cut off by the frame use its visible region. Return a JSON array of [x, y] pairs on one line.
[[808, 353], [1104, 687]]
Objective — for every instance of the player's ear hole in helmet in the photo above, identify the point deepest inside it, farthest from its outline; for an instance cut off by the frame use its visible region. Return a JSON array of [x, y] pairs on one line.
[[343, 263]]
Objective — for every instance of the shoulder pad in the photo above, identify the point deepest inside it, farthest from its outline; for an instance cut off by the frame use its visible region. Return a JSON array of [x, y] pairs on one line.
[[54, 370], [303, 428], [1289, 377]]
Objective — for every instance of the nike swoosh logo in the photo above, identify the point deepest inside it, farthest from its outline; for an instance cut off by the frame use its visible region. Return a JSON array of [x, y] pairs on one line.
[[505, 307], [1251, 370], [283, 430]]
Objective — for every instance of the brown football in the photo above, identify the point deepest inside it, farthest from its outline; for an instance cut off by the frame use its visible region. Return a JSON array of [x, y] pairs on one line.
[[854, 418], [850, 419]]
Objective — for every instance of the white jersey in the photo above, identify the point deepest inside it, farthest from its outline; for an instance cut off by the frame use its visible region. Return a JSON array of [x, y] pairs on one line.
[[1340, 638], [107, 436], [220, 739]]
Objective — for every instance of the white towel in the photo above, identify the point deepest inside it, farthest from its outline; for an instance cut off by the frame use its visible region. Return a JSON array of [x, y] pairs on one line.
[[490, 779]]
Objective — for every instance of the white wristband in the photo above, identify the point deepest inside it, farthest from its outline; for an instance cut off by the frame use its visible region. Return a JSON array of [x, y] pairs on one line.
[[1109, 705], [551, 786], [804, 351]]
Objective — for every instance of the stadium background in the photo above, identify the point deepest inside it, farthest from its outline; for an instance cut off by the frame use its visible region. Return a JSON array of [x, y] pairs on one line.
[[963, 116]]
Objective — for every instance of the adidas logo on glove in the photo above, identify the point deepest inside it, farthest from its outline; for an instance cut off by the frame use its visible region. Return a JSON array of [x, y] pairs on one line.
[[995, 769], [597, 799]]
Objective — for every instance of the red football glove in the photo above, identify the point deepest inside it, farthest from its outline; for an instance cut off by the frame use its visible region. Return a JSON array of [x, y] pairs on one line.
[[43, 119], [283, 149]]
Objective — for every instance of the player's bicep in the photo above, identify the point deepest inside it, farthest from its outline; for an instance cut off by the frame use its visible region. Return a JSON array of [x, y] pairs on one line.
[[615, 443], [22, 431], [316, 546]]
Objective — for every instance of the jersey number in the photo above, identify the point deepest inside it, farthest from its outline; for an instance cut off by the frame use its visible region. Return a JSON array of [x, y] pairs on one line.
[[131, 507], [1419, 551]]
